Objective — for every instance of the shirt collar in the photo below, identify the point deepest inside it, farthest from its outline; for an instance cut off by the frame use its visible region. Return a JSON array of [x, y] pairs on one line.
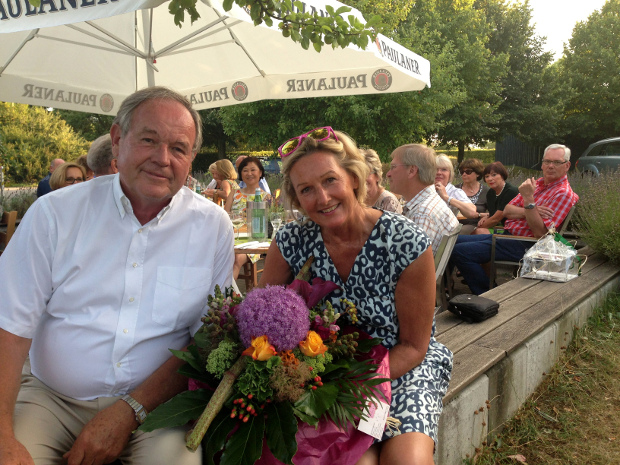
[[421, 196], [541, 183], [123, 204]]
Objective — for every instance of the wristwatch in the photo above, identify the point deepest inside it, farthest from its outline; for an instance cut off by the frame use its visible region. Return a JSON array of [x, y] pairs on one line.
[[530, 206], [137, 407]]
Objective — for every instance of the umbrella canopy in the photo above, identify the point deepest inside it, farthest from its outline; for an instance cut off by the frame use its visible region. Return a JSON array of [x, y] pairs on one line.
[[89, 55]]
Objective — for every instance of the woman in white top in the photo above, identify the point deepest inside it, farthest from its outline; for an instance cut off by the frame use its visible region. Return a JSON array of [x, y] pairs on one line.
[[378, 196], [453, 196]]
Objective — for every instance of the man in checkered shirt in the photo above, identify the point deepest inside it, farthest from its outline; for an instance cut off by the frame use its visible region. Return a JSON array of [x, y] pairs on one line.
[[412, 175], [540, 204]]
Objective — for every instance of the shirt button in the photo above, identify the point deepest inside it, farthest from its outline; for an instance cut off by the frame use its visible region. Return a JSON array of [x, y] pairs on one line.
[[140, 231], [125, 331], [135, 265], [131, 299], [118, 365]]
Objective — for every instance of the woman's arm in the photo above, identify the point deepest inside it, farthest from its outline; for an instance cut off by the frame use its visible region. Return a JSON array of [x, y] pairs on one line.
[[229, 201], [277, 270], [415, 307], [491, 221], [225, 191]]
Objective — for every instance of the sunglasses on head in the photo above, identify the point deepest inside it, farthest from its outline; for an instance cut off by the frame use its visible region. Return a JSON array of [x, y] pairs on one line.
[[318, 134], [466, 171]]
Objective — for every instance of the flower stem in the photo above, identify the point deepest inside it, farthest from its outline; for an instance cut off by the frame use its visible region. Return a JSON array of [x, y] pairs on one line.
[[223, 392]]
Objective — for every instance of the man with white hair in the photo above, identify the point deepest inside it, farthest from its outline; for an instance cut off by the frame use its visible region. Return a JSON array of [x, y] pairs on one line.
[[540, 204], [100, 157]]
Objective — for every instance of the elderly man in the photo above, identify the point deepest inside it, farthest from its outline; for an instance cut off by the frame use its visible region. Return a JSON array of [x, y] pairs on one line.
[[262, 183], [97, 284], [100, 157], [44, 184], [540, 204], [412, 175]]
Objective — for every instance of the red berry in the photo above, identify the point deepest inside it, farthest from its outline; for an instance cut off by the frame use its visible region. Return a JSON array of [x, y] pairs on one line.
[[246, 418], [314, 388], [250, 396]]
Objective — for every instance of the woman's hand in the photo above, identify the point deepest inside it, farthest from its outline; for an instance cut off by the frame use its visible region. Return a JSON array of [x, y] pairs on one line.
[[441, 191]]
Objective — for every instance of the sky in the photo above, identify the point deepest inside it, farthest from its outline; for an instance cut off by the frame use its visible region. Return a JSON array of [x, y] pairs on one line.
[[556, 19]]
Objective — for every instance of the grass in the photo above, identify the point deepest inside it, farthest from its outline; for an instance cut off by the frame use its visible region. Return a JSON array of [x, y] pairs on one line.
[[574, 416]]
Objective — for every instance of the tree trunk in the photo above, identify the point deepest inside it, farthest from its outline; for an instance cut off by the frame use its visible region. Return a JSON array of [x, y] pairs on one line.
[[221, 149], [461, 153]]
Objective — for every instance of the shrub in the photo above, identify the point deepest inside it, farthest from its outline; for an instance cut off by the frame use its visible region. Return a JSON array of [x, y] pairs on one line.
[[597, 216], [19, 200]]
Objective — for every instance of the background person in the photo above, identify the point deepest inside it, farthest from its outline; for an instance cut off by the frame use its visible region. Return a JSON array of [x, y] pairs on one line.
[[384, 265], [500, 193], [44, 184], [454, 197], [100, 157], [376, 195], [471, 173], [83, 162], [225, 178], [67, 174], [262, 183], [251, 171], [99, 353]]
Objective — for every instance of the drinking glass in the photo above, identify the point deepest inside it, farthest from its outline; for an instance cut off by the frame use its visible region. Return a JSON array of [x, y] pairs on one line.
[[276, 222], [238, 220]]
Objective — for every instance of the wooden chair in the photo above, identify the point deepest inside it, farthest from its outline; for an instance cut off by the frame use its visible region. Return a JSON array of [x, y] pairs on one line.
[[442, 256], [494, 262], [8, 218], [249, 273]]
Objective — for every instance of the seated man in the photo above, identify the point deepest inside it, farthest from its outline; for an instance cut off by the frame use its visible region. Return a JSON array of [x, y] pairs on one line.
[[100, 157], [540, 204], [412, 175], [98, 283], [44, 184]]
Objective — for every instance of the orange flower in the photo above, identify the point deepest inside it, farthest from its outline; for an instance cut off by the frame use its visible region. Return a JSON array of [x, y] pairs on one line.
[[312, 345], [260, 349]]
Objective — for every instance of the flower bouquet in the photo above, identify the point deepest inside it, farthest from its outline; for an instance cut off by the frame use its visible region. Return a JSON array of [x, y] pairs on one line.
[[285, 371]]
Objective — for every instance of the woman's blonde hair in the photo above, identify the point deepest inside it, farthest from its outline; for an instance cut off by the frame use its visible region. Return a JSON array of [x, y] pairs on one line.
[[345, 152], [58, 178], [374, 164], [225, 168], [443, 161]]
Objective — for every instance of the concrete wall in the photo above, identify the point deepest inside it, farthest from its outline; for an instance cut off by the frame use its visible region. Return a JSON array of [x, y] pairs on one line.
[[479, 411]]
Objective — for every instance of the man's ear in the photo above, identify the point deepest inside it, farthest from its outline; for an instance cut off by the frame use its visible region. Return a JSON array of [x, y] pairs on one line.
[[114, 166], [115, 134], [413, 171]]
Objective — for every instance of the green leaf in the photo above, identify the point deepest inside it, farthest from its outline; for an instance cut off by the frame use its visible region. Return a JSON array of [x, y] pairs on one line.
[[246, 445], [364, 345], [217, 434], [342, 9], [201, 339], [187, 357], [282, 426], [305, 418], [177, 411], [315, 403], [317, 46], [227, 4]]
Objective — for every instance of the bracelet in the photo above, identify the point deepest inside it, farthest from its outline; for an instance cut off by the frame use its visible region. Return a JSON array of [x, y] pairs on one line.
[[449, 198], [478, 215]]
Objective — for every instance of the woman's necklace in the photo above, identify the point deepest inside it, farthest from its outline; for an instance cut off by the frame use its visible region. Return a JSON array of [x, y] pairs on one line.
[[471, 191], [500, 192]]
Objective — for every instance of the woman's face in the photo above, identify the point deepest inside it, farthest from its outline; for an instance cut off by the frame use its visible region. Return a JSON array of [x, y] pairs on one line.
[[494, 180], [468, 175], [443, 176], [216, 175], [73, 175], [372, 185], [324, 189], [250, 175]]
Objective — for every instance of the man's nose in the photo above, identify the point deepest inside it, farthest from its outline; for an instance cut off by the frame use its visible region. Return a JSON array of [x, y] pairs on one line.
[[162, 154]]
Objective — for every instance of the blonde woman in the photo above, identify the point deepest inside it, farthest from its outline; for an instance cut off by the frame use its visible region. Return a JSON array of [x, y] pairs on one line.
[[66, 175], [378, 196], [225, 176], [453, 196]]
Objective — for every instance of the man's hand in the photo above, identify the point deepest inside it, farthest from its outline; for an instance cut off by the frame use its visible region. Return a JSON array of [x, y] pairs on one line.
[[12, 452], [104, 437], [441, 191], [544, 211], [527, 188]]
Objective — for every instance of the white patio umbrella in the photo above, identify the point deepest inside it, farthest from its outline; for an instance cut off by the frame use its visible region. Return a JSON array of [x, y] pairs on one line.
[[89, 55]]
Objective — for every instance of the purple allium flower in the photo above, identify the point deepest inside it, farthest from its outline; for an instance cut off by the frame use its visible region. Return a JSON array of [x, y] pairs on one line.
[[278, 313]]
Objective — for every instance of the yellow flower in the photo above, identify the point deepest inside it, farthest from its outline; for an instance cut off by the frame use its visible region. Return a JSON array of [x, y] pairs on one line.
[[312, 345], [260, 349]]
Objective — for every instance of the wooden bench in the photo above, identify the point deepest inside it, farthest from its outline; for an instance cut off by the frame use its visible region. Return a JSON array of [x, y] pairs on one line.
[[502, 360]]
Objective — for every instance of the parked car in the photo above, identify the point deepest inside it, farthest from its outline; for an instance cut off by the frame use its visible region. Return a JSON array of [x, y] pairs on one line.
[[600, 156]]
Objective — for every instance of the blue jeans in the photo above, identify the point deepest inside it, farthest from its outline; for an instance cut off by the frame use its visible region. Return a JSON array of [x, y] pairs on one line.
[[470, 252]]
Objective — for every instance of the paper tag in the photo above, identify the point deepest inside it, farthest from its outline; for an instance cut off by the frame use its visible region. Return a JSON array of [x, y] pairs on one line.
[[377, 415]]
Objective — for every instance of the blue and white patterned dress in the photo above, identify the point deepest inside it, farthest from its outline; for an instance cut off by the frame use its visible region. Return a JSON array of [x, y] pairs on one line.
[[394, 243]]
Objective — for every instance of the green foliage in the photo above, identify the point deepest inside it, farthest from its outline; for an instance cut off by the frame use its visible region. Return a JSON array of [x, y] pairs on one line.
[[31, 138], [282, 426], [597, 217], [222, 357], [177, 411], [19, 200], [88, 125]]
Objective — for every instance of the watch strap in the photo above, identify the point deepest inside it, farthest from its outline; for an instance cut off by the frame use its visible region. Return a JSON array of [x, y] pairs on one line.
[[137, 407], [530, 206]]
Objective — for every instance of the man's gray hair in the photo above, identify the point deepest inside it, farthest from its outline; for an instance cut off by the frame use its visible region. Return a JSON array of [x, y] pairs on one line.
[[559, 146], [100, 155], [125, 112], [424, 158]]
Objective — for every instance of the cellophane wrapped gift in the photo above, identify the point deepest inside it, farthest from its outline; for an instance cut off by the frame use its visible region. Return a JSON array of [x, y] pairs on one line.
[[550, 260]]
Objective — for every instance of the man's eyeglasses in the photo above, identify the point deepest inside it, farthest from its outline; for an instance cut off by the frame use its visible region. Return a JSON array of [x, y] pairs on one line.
[[394, 166], [318, 134], [466, 171], [73, 180], [553, 162]]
